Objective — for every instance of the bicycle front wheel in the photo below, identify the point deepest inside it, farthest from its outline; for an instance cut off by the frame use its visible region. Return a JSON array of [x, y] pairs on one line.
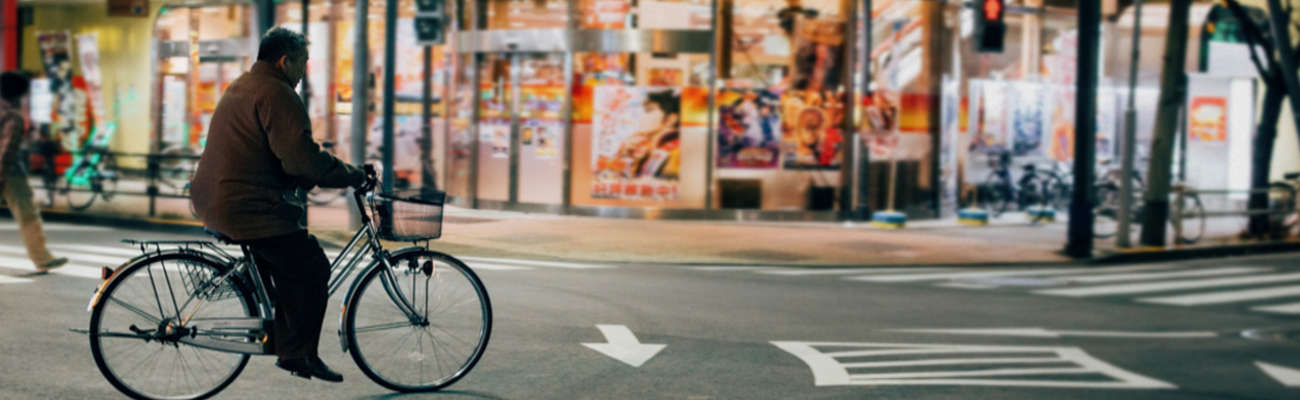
[[140, 323], [79, 188], [1192, 220], [419, 326]]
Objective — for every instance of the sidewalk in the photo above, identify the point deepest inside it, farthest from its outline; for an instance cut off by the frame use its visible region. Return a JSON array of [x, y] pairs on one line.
[[483, 233]]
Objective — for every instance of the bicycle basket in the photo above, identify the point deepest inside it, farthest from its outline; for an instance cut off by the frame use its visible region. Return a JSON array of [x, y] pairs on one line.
[[201, 283], [408, 216]]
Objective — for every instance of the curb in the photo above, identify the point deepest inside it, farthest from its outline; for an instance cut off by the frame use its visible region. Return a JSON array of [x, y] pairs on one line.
[[1140, 255]]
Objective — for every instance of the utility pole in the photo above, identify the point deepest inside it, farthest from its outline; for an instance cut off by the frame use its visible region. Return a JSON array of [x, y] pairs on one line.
[[1173, 93], [1279, 20], [360, 92], [1130, 134], [1079, 241]]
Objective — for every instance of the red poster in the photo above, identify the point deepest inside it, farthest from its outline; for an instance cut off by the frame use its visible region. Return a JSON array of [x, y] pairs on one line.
[[1208, 119]]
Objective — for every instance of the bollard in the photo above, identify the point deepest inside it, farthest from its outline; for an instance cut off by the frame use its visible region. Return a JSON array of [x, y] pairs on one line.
[[889, 219], [973, 216]]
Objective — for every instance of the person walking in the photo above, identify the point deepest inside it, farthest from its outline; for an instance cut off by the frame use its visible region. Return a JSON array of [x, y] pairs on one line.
[[259, 153], [13, 172]]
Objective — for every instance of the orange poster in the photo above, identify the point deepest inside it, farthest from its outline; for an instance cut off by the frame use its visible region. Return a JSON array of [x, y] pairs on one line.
[[1208, 119]]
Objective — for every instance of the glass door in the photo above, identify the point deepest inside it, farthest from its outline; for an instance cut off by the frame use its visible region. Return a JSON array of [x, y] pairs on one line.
[[521, 128], [493, 124]]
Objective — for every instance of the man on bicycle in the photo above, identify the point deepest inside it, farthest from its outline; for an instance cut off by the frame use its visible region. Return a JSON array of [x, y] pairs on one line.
[[259, 153]]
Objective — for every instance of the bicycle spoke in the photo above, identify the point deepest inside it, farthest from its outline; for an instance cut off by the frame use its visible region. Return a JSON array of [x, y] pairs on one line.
[[135, 310], [383, 327]]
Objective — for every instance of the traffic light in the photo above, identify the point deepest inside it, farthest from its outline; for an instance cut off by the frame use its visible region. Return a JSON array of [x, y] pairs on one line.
[[430, 21], [989, 27]]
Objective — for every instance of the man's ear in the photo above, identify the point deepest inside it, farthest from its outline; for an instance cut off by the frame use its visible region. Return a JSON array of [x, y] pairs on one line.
[[282, 62]]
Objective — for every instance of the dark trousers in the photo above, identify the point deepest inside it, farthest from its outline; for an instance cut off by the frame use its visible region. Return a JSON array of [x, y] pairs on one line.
[[300, 273]]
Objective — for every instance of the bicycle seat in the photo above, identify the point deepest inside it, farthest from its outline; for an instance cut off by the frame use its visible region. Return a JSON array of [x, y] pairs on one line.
[[1291, 176], [222, 237]]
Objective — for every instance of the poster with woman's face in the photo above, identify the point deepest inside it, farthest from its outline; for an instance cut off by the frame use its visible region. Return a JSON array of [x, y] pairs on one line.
[[749, 129], [636, 137], [811, 130]]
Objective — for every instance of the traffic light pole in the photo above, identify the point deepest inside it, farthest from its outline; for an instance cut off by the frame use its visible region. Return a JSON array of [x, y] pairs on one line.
[[1079, 241]]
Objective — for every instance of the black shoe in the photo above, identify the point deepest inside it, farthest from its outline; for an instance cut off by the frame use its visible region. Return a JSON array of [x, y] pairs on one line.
[[309, 368]]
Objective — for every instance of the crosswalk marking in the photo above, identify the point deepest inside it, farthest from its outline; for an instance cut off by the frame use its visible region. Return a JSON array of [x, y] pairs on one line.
[[555, 264], [117, 251], [56, 227], [1131, 288], [846, 271], [1292, 308], [10, 279], [1197, 299], [954, 361], [726, 268], [967, 285], [985, 274], [80, 257], [1091, 278], [70, 269], [495, 267]]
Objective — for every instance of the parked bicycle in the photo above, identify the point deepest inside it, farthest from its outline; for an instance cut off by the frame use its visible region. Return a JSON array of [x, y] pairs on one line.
[[1285, 211], [93, 173], [1186, 213], [181, 320], [999, 191]]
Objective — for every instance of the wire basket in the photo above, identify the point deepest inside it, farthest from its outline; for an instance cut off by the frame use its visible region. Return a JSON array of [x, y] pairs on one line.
[[408, 216]]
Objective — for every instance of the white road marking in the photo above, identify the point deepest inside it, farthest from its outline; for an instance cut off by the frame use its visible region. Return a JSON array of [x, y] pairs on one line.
[[56, 227], [623, 346], [724, 268], [70, 269], [536, 263], [494, 267], [123, 250], [9, 279], [79, 257], [829, 371], [967, 285], [1044, 333], [1130, 288], [1288, 377], [1221, 297], [1293, 308], [1091, 278], [983, 274], [846, 271]]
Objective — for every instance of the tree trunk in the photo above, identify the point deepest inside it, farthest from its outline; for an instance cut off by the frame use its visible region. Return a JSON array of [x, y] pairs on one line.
[[1266, 133], [1173, 91]]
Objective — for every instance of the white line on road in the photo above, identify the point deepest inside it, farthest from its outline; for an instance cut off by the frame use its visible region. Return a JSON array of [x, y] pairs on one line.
[[724, 268], [1221, 297], [967, 285], [1092, 278], [79, 257], [494, 267], [9, 279], [622, 345], [48, 227], [846, 271], [24, 264], [1131, 288], [1288, 377], [536, 263], [1056, 333], [1293, 308], [113, 250], [983, 274], [955, 361]]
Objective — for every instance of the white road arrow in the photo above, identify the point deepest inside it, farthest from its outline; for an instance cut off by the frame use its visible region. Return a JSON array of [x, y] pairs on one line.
[[1289, 377], [1044, 333], [623, 345]]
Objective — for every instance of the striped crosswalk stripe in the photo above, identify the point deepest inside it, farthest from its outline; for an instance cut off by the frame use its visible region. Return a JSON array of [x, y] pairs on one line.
[[71, 269], [533, 263], [1233, 296], [986, 274], [123, 250], [1291, 308], [847, 271], [10, 279], [1093, 278], [1131, 288]]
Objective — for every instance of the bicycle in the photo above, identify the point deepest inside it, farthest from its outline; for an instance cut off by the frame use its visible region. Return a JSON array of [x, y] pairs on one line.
[[1184, 207], [94, 169], [192, 314], [998, 191]]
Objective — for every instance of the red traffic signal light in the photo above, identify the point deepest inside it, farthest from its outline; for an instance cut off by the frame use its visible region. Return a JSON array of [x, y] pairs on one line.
[[993, 10], [989, 28]]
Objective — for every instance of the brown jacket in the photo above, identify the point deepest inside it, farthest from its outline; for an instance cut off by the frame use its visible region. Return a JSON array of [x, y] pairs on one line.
[[259, 151]]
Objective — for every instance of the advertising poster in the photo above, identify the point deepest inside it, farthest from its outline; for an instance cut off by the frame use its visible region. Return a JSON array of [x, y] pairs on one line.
[[1061, 147], [748, 129], [880, 124], [636, 143], [88, 53], [810, 129], [1026, 119], [948, 142], [606, 14], [990, 123], [42, 101], [541, 137], [817, 62], [1208, 119], [496, 135]]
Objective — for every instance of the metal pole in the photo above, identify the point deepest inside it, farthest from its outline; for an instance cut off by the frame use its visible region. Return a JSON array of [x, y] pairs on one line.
[[1130, 134], [713, 106], [516, 65], [390, 68], [848, 162], [426, 124], [862, 163], [360, 92], [305, 94], [1079, 242], [265, 16]]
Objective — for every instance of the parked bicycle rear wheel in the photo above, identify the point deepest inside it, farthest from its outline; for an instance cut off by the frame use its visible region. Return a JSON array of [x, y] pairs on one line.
[[1105, 211], [134, 329], [1193, 219], [431, 347]]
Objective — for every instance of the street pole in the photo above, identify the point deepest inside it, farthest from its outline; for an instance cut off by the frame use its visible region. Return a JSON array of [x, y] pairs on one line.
[[1079, 241], [1130, 134], [390, 67], [427, 182], [1173, 88], [1278, 22], [360, 92]]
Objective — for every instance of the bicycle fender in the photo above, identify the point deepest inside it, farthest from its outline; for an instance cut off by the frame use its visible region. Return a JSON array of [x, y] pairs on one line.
[[356, 282]]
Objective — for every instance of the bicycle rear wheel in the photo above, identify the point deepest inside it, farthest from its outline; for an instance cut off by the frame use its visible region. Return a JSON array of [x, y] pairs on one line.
[[135, 329], [81, 194], [432, 344], [1105, 211], [1192, 220]]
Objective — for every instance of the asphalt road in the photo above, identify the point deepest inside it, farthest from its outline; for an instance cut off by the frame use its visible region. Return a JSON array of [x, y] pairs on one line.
[[1149, 331]]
